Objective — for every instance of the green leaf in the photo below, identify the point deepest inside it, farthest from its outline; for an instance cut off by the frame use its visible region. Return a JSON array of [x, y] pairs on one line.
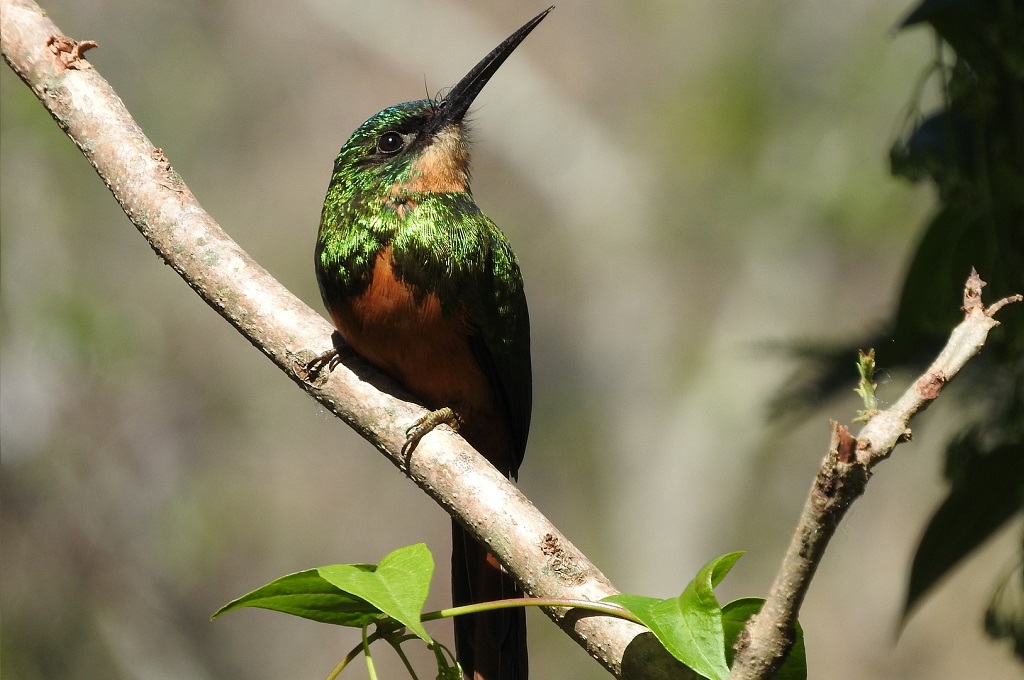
[[985, 495], [638, 605], [398, 586], [689, 626], [1004, 617], [734, 618], [308, 595], [954, 241], [352, 594]]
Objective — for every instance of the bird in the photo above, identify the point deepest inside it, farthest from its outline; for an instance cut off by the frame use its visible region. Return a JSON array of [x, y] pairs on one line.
[[426, 288]]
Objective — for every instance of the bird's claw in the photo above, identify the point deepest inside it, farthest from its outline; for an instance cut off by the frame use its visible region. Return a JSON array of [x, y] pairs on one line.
[[329, 360], [424, 424]]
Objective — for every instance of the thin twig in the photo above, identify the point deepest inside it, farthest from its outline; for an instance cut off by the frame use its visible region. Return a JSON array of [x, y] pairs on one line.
[[841, 480]]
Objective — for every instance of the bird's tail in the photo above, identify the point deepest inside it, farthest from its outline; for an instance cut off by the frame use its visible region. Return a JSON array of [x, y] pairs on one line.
[[492, 645]]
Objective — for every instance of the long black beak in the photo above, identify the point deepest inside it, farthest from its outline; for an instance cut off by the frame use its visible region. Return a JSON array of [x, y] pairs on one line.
[[455, 105]]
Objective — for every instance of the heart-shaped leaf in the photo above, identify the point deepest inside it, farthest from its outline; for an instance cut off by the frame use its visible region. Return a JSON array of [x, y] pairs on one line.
[[398, 586], [689, 626]]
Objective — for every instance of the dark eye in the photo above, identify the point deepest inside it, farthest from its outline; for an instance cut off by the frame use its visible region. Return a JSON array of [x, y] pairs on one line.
[[390, 142]]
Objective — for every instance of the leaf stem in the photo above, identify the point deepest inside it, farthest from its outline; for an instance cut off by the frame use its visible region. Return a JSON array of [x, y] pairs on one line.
[[396, 644], [352, 654], [606, 608], [370, 669]]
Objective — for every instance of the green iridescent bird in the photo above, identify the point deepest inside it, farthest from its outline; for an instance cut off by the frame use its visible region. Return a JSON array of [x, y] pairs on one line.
[[421, 284]]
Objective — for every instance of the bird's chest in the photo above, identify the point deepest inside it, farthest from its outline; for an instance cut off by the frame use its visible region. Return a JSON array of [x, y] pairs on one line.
[[391, 307], [407, 333]]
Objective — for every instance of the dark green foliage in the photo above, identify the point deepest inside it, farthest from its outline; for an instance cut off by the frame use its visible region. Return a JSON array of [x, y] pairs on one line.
[[972, 150], [982, 498]]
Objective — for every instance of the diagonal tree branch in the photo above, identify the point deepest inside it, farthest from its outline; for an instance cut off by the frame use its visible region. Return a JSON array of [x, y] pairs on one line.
[[841, 480], [157, 201], [289, 333]]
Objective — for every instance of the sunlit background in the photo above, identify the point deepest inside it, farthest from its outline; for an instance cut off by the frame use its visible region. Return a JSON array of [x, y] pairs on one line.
[[686, 185]]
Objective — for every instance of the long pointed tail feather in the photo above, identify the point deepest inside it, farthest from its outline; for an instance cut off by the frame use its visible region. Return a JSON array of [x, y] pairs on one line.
[[492, 645]]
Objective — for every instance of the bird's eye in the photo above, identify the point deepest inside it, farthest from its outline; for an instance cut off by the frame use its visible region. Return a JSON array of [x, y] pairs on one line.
[[390, 142]]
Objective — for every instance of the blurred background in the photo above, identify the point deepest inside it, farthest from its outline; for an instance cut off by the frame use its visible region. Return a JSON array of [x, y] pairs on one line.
[[686, 185]]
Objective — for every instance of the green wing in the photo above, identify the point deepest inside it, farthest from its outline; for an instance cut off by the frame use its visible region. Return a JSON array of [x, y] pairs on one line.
[[502, 346], [448, 246]]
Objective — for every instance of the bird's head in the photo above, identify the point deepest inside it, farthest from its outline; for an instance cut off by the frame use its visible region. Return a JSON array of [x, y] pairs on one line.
[[420, 146]]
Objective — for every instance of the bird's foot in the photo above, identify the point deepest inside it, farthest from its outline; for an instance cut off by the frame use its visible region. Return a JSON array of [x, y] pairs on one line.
[[312, 370], [423, 425]]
